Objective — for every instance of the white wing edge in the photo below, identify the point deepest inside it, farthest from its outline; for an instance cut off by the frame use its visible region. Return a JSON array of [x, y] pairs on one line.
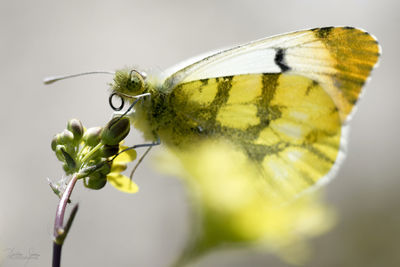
[[187, 62], [219, 57]]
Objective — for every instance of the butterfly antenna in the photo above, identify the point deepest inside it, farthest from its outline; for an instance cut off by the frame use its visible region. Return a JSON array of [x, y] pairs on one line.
[[50, 80]]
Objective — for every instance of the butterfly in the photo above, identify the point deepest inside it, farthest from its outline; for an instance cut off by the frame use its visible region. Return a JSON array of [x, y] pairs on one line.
[[284, 102]]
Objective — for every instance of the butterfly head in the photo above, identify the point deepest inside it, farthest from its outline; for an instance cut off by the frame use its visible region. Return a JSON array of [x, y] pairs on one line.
[[129, 83]]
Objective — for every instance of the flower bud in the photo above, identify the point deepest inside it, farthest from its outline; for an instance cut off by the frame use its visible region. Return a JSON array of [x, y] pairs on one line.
[[66, 137], [96, 182], [54, 142], [115, 131], [108, 151], [92, 136], [76, 127]]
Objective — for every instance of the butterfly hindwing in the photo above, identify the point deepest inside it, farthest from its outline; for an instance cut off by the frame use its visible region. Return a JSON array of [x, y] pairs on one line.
[[286, 124]]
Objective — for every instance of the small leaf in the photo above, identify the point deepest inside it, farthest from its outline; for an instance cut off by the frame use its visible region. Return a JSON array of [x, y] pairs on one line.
[[96, 183], [68, 159]]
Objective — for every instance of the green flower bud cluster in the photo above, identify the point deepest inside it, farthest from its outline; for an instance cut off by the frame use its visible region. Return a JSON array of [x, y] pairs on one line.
[[87, 152]]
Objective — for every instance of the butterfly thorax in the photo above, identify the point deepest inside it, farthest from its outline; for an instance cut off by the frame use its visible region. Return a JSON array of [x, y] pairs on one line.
[[152, 113], [161, 116]]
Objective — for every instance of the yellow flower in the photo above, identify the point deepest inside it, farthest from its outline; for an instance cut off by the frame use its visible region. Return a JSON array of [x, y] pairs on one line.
[[118, 180]]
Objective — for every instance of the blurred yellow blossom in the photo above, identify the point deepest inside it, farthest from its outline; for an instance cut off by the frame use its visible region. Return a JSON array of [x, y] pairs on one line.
[[233, 206]]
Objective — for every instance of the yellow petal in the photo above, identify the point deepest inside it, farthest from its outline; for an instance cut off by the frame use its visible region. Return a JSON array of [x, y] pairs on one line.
[[122, 183], [118, 167], [127, 156]]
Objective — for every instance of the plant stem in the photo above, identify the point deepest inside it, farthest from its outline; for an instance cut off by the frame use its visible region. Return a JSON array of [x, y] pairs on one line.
[[56, 254], [59, 231]]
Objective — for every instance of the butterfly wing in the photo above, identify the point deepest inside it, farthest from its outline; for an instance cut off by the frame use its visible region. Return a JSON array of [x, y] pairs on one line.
[[281, 101]]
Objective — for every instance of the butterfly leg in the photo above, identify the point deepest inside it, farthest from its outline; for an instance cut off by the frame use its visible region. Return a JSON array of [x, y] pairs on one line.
[[140, 161], [148, 145]]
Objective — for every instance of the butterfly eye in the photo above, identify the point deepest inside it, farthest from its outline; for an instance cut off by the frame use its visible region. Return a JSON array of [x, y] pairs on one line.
[[136, 82], [113, 105]]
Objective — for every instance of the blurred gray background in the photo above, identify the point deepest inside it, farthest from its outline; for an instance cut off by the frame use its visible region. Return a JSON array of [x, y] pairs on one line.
[[41, 38]]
